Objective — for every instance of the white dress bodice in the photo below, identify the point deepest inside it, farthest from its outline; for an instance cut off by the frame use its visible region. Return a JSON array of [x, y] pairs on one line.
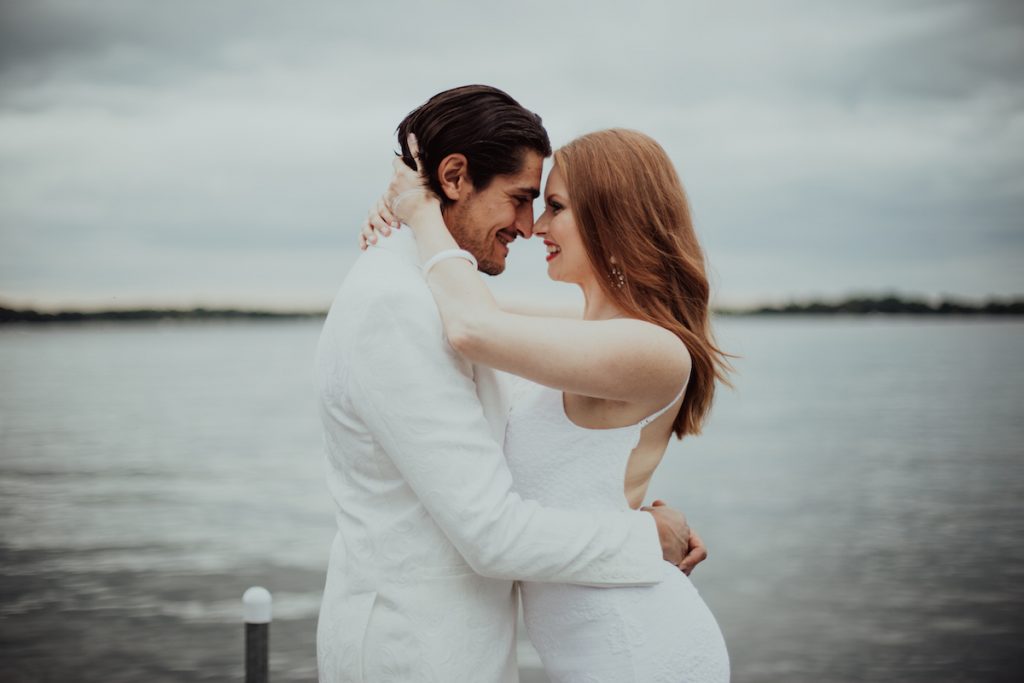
[[651, 634], [553, 461]]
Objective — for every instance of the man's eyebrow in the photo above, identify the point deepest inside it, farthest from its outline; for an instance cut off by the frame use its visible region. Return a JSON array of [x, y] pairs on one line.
[[533, 192]]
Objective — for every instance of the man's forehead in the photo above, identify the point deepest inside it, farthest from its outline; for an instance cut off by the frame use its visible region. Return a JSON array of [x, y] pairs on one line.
[[527, 180]]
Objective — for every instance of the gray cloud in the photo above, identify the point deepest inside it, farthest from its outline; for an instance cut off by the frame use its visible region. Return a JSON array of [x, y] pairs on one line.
[[174, 150]]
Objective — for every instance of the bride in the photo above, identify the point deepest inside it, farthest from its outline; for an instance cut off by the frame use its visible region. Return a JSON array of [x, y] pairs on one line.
[[599, 397]]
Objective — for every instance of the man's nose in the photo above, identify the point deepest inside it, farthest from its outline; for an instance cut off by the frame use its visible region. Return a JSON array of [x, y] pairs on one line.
[[524, 222]]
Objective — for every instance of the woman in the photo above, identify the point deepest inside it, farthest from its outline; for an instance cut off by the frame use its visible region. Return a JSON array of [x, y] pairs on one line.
[[603, 395]]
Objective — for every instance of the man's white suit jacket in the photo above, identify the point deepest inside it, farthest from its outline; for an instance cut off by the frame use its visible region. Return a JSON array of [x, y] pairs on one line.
[[431, 533]]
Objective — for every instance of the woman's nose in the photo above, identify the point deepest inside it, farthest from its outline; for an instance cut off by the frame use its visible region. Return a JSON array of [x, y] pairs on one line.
[[540, 227]]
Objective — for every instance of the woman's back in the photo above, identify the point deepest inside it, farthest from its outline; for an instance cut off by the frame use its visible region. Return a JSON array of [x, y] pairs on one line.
[[597, 414]]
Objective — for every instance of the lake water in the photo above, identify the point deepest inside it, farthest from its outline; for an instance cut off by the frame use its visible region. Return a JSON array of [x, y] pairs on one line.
[[860, 492]]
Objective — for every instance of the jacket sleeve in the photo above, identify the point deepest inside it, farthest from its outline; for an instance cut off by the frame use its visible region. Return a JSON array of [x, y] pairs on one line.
[[419, 402]]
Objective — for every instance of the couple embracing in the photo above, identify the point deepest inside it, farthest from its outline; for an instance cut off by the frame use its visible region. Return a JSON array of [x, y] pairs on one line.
[[475, 453]]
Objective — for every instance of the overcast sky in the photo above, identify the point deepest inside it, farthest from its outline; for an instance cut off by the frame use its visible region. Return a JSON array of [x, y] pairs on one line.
[[224, 153]]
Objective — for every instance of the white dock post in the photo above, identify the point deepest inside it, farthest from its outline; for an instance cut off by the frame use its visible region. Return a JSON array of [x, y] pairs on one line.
[[256, 604]]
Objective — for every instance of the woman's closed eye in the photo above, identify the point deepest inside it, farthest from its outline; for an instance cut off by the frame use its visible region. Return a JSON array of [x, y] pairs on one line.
[[554, 206]]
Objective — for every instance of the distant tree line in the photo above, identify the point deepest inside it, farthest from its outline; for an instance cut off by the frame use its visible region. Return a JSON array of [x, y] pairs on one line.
[[890, 305], [9, 315]]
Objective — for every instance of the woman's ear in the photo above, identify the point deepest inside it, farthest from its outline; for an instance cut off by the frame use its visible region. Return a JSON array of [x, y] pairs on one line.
[[453, 175]]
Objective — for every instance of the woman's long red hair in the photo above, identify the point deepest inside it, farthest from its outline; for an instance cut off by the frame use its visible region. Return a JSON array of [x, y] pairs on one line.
[[630, 205]]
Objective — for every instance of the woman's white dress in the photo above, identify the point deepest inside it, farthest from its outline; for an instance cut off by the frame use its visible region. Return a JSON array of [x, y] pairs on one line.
[[647, 634]]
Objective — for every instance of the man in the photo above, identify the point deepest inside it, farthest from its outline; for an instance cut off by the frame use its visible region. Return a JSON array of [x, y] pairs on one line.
[[430, 533]]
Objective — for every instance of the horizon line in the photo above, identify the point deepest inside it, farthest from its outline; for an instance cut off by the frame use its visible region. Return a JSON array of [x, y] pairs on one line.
[[890, 302]]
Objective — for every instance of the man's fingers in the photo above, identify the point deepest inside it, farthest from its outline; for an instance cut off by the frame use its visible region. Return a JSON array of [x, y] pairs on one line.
[[692, 559], [698, 553]]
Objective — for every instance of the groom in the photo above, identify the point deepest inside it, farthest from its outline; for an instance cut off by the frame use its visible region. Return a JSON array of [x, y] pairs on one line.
[[431, 534]]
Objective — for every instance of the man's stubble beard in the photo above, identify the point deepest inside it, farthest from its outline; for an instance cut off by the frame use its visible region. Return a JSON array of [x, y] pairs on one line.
[[457, 218]]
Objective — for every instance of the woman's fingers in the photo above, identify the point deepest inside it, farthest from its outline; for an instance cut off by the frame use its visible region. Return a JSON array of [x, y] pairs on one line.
[[414, 149], [379, 221], [385, 219], [368, 236], [381, 218], [397, 165], [406, 183], [405, 178], [402, 180]]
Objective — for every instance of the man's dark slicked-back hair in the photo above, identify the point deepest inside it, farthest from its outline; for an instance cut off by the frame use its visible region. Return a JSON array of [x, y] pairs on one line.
[[485, 124]]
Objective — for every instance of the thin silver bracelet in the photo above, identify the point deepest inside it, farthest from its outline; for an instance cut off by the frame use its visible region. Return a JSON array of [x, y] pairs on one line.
[[403, 196], [447, 254]]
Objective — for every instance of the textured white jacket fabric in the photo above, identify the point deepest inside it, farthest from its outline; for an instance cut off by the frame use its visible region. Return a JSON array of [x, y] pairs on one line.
[[430, 532]]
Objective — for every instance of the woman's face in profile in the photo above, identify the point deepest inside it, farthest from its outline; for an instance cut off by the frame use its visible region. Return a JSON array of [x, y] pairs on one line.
[[567, 258]]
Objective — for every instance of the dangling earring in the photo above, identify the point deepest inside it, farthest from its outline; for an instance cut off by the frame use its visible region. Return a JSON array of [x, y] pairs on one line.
[[617, 277]]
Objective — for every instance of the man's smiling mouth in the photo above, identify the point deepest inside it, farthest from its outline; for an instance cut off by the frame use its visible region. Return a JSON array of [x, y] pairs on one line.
[[505, 239]]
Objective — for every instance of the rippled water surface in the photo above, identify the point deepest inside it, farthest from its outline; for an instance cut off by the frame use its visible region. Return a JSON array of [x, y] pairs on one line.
[[860, 492]]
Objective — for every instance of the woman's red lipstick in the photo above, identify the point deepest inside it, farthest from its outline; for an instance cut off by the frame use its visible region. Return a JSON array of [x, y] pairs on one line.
[[551, 255]]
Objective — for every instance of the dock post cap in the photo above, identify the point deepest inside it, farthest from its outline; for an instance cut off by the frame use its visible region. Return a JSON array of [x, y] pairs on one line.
[[256, 604]]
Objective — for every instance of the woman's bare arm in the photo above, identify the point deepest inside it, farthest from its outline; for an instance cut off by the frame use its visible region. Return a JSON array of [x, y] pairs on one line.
[[622, 359], [540, 310]]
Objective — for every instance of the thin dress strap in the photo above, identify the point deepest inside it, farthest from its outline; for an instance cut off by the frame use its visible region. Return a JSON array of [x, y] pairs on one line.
[[648, 420]]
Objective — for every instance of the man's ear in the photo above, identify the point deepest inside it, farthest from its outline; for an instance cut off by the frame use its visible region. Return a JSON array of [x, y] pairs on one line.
[[453, 175]]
